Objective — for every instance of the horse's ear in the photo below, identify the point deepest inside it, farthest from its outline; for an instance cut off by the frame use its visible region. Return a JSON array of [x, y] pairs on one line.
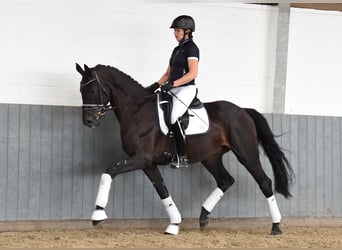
[[86, 68], [79, 69]]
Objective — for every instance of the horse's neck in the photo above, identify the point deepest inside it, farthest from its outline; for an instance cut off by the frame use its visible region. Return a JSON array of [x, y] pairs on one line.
[[126, 101], [130, 107], [123, 97], [127, 85], [127, 94]]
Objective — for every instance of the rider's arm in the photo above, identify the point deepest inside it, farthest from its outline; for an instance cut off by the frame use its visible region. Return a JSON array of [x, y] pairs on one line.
[[192, 74], [165, 76]]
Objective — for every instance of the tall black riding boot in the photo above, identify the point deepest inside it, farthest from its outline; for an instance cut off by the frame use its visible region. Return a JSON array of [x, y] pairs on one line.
[[181, 146], [166, 105]]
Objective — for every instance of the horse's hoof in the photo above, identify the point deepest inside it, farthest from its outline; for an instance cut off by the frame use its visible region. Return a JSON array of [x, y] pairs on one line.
[[97, 222], [204, 223], [276, 229], [98, 217], [172, 229]]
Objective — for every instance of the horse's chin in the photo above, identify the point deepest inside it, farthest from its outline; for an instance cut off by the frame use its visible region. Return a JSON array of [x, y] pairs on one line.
[[91, 124]]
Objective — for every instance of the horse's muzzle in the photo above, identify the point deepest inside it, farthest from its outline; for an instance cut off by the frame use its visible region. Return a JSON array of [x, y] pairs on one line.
[[91, 121], [91, 124]]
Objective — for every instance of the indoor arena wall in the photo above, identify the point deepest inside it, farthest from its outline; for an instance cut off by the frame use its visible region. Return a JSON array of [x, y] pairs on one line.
[[50, 163], [51, 166]]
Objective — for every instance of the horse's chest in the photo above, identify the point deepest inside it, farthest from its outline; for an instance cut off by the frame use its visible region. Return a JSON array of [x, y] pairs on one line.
[[129, 141]]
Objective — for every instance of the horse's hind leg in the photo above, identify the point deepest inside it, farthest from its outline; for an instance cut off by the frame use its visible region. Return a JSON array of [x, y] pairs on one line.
[[265, 184], [246, 150], [223, 179]]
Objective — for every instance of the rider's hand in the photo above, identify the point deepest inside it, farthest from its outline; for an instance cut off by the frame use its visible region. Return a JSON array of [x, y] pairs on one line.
[[152, 88], [166, 87]]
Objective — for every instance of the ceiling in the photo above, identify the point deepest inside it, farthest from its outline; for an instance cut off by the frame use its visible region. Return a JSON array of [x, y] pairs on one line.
[[319, 6]]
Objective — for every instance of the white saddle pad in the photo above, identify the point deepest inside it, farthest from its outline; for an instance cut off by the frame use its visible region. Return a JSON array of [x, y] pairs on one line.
[[198, 120]]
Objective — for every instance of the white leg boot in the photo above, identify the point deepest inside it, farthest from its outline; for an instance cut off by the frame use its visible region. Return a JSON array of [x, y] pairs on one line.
[[174, 215]]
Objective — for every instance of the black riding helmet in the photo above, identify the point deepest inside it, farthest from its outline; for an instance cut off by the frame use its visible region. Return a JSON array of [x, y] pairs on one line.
[[183, 22]]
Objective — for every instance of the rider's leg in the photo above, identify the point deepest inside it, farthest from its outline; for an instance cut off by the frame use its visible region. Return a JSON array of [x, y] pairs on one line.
[[181, 100], [181, 144], [166, 105]]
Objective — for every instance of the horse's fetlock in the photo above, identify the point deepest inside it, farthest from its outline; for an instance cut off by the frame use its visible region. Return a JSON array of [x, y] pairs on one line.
[[112, 171], [99, 208], [204, 213]]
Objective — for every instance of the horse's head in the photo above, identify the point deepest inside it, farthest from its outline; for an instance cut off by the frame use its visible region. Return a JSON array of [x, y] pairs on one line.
[[95, 97]]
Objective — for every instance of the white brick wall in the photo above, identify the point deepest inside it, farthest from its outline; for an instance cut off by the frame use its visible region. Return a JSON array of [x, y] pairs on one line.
[[314, 75], [41, 41]]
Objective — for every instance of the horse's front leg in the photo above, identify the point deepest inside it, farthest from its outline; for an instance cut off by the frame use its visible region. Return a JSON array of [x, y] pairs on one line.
[[157, 180], [124, 166]]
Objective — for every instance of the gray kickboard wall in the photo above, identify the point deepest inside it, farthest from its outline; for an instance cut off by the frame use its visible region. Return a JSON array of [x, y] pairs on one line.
[[50, 167]]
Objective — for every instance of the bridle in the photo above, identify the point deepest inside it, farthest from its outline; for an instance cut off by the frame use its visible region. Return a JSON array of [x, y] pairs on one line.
[[101, 108]]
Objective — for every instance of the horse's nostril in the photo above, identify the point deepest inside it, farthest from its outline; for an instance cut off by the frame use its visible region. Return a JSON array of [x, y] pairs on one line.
[[88, 122]]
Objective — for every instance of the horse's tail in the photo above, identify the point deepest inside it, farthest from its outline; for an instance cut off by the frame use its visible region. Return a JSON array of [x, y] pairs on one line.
[[283, 173]]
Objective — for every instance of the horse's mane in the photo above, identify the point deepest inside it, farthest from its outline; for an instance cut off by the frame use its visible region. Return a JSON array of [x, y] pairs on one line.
[[116, 70]]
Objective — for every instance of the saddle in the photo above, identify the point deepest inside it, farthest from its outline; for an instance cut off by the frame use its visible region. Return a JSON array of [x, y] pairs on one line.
[[185, 119], [194, 121]]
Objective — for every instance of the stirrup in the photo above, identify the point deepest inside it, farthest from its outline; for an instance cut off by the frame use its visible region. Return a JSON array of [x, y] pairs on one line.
[[181, 162]]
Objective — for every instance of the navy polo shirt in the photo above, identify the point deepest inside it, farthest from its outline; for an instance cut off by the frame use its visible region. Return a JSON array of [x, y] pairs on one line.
[[179, 60]]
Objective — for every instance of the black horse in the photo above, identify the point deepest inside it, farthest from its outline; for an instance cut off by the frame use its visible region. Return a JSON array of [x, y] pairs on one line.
[[233, 128]]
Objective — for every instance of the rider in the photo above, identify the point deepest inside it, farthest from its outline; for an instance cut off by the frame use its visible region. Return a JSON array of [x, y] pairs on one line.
[[179, 79]]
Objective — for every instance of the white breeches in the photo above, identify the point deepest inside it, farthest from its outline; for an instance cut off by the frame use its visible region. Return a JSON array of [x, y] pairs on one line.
[[184, 96]]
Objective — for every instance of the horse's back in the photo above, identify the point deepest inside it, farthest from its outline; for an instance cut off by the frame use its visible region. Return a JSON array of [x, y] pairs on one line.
[[229, 115], [219, 108], [220, 104]]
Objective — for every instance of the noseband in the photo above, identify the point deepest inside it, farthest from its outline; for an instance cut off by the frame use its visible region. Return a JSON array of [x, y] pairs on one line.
[[101, 108]]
